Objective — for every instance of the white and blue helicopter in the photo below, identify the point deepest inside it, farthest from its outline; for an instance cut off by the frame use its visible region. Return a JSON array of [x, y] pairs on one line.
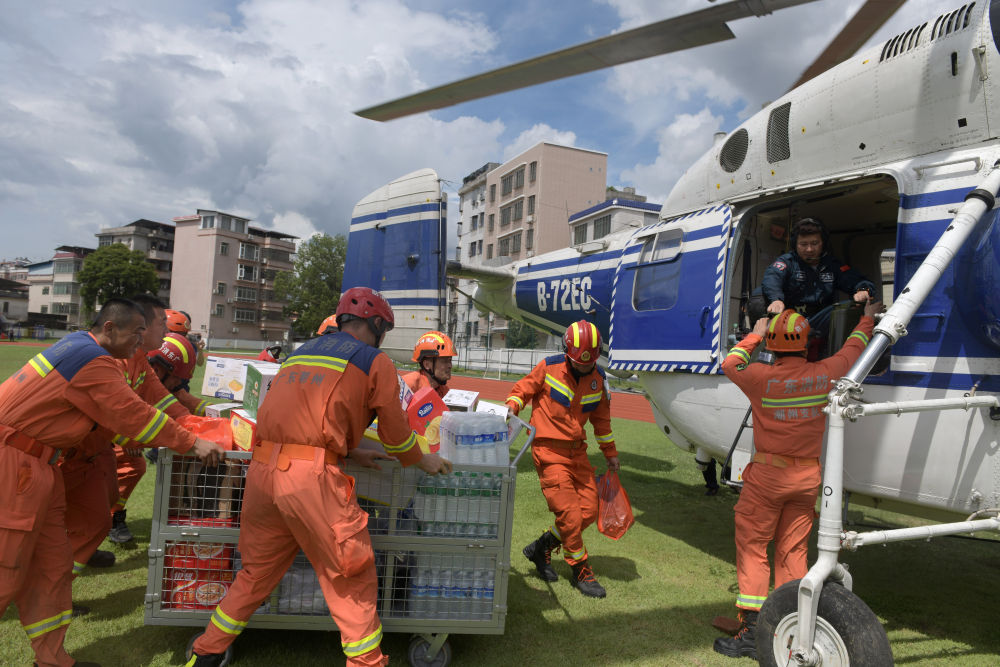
[[897, 149]]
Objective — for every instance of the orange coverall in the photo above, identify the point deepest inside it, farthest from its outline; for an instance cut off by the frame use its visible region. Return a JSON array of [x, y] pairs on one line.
[[781, 484], [325, 395], [141, 377], [48, 405], [416, 381], [560, 406]]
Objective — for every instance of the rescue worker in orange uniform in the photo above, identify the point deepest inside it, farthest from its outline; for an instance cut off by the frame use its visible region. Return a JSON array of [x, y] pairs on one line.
[[565, 391], [180, 322], [48, 405], [173, 363], [297, 496], [270, 354], [781, 484], [433, 352]]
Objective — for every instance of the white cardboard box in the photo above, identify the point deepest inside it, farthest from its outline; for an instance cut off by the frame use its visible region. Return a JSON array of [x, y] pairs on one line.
[[225, 377], [493, 408], [460, 400], [221, 409]]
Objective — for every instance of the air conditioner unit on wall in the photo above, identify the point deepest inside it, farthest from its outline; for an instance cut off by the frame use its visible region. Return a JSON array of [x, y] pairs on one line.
[[235, 330], [530, 218], [229, 300]]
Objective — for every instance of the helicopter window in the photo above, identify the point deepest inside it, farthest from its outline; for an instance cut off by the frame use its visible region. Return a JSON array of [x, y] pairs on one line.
[[777, 134], [658, 272], [734, 151]]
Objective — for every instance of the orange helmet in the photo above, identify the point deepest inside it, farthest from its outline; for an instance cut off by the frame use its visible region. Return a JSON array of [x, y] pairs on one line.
[[177, 354], [328, 325], [788, 332], [582, 341], [433, 344], [178, 322]]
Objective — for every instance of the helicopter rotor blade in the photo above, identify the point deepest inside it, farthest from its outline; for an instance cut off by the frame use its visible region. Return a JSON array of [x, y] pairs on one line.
[[679, 33], [865, 23]]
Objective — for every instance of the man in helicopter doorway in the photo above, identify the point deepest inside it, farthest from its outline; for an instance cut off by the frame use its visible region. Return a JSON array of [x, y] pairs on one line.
[[807, 279], [781, 483]]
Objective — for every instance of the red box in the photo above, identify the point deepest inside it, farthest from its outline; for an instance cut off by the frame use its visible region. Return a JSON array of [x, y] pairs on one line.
[[191, 589]]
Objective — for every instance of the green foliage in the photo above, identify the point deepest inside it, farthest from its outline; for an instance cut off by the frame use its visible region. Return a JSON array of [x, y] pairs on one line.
[[312, 290], [521, 336], [115, 270]]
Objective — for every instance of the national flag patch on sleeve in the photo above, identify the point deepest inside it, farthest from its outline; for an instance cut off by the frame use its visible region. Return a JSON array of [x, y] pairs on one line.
[[779, 265]]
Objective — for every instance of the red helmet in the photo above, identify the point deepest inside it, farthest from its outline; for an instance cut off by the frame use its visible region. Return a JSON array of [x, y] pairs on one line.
[[328, 325], [433, 344], [582, 341], [177, 322], [177, 354], [788, 332], [366, 304]]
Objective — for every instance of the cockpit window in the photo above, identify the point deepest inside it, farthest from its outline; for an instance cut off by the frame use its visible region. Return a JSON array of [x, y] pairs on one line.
[[657, 273]]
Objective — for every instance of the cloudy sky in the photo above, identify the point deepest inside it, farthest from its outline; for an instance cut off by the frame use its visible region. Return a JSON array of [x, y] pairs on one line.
[[113, 110]]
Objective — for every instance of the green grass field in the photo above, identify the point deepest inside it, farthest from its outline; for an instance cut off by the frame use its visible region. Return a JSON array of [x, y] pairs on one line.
[[666, 580]]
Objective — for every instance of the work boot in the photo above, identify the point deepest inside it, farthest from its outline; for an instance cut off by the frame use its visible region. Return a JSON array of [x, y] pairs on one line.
[[540, 551], [210, 660], [152, 454], [80, 610], [583, 579], [744, 644], [101, 559], [119, 534]]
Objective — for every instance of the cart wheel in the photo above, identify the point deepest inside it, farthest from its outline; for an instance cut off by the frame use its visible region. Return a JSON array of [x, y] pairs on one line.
[[227, 657], [418, 654], [847, 631]]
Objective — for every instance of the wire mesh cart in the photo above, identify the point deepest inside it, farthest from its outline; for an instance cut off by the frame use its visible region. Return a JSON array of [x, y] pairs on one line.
[[442, 549]]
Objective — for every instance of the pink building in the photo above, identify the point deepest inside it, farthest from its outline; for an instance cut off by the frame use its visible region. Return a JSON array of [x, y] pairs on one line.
[[223, 277]]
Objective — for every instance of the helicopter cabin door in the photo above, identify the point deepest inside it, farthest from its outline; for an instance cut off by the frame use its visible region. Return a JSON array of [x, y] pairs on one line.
[[666, 308]]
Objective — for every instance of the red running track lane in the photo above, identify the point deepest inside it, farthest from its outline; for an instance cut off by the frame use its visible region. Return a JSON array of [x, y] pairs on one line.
[[624, 405]]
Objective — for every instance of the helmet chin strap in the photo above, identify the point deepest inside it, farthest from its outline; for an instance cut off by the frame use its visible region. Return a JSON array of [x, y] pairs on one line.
[[378, 330]]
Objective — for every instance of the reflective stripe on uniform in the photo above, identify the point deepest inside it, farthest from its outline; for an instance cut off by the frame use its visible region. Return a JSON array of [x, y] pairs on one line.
[[354, 649], [199, 409], [333, 363], [520, 403], [41, 364], [404, 447], [587, 399], [750, 601], [227, 623], [559, 390], [49, 624], [860, 335], [794, 402], [152, 429], [604, 439], [741, 353], [120, 440], [576, 555], [165, 402], [78, 567]]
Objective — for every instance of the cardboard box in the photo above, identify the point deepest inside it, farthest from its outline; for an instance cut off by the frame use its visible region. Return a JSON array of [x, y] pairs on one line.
[[259, 375], [459, 400], [225, 377], [423, 408], [221, 409], [493, 408], [405, 393], [244, 429]]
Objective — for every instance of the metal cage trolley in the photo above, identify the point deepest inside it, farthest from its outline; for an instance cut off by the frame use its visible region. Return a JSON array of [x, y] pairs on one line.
[[442, 547]]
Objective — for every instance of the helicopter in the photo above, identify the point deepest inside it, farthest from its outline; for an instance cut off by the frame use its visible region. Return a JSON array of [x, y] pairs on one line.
[[897, 150]]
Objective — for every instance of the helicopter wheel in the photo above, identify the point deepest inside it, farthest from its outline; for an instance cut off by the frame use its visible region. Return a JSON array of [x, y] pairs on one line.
[[847, 631]]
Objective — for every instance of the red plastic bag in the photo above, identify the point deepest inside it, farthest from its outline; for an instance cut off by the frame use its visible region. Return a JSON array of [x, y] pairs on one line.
[[614, 515], [214, 429]]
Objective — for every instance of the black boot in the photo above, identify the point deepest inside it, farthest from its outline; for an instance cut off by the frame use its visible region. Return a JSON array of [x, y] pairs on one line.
[[120, 534], [80, 610], [211, 660], [583, 579], [540, 551], [744, 644], [101, 559]]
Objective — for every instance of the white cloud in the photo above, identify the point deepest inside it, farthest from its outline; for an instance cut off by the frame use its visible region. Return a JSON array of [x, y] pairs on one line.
[[535, 134]]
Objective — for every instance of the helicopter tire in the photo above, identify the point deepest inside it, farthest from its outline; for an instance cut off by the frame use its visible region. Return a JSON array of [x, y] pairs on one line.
[[847, 631]]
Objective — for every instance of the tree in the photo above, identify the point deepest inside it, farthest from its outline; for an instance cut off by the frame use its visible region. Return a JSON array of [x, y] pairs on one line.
[[312, 289], [520, 335], [115, 270]]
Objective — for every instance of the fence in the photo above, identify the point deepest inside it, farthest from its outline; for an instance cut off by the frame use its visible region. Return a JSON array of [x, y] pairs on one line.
[[503, 360]]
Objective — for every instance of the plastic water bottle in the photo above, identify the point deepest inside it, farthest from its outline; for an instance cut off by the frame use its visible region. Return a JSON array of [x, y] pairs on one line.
[[453, 490], [486, 605], [495, 505], [478, 591], [483, 506], [418, 591], [434, 590], [465, 579], [440, 483], [448, 597]]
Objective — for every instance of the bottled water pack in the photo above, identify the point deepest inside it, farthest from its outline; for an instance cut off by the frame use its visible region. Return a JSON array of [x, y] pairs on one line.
[[474, 437]]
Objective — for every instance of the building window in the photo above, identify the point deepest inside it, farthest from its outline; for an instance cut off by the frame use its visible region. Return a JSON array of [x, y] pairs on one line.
[[472, 249], [244, 315], [506, 185], [249, 251], [518, 210], [66, 308], [225, 223], [531, 205], [515, 243], [65, 267], [220, 310], [602, 226], [240, 226], [479, 248], [489, 251], [208, 222], [489, 227], [105, 241], [223, 248], [220, 289], [532, 172], [493, 192], [505, 216], [504, 248], [45, 309], [247, 272], [519, 178], [45, 290], [580, 234], [65, 288], [529, 240], [246, 294]]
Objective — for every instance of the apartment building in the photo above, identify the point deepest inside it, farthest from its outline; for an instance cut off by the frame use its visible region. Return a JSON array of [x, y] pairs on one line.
[[223, 277], [54, 286], [15, 269], [153, 239], [589, 227], [517, 210]]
